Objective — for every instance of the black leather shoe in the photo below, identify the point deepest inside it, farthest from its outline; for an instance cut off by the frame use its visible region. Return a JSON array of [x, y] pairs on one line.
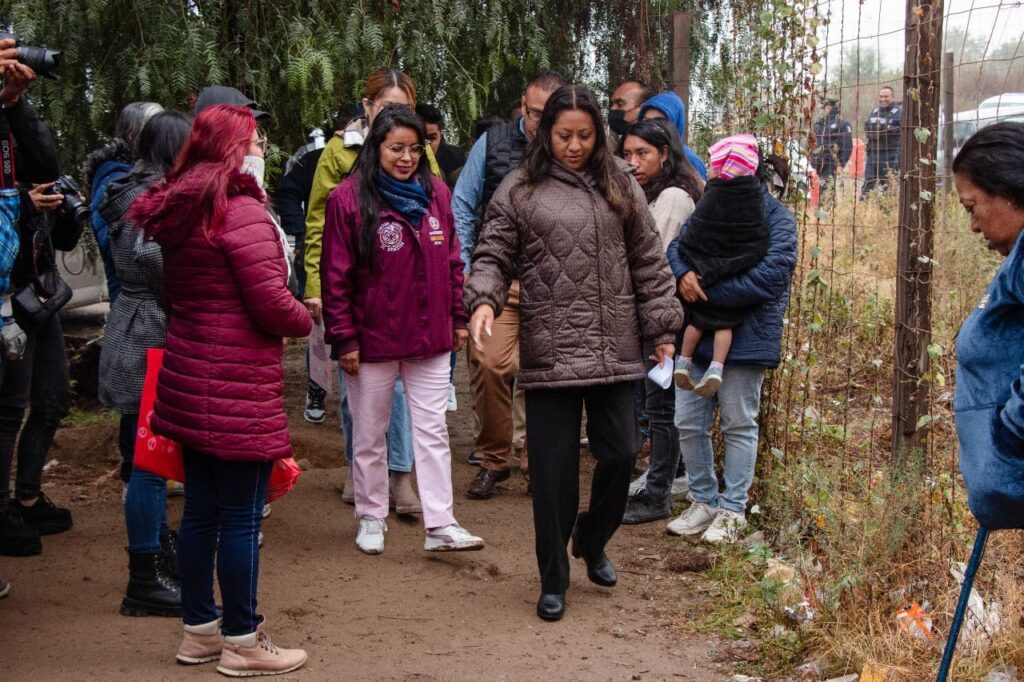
[[551, 606], [482, 485], [600, 570]]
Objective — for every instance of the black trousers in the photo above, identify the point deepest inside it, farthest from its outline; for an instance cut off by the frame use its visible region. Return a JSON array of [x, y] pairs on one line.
[[553, 419], [666, 459], [39, 381]]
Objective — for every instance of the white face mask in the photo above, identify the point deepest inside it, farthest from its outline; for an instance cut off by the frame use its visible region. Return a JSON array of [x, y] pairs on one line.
[[254, 166]]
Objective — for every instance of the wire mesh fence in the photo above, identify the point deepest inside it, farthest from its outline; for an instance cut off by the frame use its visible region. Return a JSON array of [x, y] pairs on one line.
[[875, 518]]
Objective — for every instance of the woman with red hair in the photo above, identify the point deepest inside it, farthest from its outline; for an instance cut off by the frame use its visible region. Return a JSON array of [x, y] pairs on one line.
[[221, 389]]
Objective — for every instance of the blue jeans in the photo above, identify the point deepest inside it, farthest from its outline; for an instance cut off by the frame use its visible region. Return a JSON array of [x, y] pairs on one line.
[[223, 510], [399, 430], [739, 400], [145, 504]]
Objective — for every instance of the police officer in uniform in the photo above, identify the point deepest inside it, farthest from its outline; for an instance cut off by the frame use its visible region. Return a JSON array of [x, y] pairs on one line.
[[834, 137], [882, 130]]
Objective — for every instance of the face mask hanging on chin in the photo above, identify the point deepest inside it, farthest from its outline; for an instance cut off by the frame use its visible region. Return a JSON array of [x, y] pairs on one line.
[[254, 166]]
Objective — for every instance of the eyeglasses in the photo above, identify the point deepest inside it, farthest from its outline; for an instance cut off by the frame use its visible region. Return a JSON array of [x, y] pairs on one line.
[[534, 114], [261, 143], [415, 151]]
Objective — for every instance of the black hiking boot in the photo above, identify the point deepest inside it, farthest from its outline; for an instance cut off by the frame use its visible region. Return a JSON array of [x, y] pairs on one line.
[[642, 509], [169, 553], [151, 591]]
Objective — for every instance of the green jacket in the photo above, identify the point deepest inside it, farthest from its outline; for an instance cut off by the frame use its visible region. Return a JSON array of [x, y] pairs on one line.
[[336, 162]]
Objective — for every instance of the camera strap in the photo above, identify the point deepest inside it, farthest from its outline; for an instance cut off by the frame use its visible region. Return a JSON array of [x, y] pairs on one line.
[[6, 154]]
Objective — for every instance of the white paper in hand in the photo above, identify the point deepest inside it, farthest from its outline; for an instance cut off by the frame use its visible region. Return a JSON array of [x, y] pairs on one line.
[[320, 365], [662, 374]]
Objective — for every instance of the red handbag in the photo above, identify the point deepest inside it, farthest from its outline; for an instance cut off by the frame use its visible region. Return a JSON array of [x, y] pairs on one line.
[[162, 456]]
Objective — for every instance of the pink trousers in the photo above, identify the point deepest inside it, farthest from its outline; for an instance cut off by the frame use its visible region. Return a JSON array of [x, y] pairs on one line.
[[369, 398]]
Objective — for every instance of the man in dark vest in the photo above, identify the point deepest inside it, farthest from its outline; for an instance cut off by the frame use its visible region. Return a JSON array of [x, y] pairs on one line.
[[882, 130], [499, 410]]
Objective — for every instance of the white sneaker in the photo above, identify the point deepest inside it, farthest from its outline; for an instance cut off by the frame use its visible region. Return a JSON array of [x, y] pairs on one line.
[[681, 486], [453, 402], [637, 486], [694, 520], [451, 538], [725, 529], [370, 539]]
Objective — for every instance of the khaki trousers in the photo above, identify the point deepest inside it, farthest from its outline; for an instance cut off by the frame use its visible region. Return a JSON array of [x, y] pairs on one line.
[[499, 407]]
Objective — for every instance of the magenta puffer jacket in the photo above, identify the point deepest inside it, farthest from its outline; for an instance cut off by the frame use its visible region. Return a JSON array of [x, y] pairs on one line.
[[408, 304], [221, 389]]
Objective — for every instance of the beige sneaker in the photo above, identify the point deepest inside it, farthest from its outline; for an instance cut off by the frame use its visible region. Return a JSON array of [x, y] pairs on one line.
[[255, 655], [200, 644], [403, 497]]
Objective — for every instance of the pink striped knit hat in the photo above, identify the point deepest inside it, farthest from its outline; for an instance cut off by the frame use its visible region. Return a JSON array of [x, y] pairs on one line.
[[734, 156]]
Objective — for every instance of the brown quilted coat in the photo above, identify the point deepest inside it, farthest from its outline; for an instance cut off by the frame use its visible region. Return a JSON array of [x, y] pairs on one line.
[[590, 286]]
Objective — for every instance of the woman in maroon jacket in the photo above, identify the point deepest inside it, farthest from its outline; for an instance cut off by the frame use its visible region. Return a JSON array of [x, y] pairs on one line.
[[392, 297], [221, 389]]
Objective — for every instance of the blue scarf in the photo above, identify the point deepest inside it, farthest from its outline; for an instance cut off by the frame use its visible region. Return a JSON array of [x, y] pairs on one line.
[[408, 198]]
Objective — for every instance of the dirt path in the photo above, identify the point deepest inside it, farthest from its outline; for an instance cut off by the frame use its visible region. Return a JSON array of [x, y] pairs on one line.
[[399, 616]]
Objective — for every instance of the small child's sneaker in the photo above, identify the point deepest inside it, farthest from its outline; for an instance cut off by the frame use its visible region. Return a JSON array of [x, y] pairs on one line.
[[709, 383], [683, 374], [451, 538]]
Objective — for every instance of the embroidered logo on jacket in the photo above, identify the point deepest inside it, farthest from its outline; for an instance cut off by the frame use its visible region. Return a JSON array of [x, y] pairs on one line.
[[436, 234], [390, 237]]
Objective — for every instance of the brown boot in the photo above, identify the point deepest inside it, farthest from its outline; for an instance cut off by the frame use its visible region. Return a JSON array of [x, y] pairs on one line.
[[255, 655], [200, 644], [403, 497]]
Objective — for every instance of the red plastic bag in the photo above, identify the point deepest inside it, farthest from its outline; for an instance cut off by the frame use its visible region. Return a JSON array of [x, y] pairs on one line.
[[153, 453], [162, 456], [283, 478]]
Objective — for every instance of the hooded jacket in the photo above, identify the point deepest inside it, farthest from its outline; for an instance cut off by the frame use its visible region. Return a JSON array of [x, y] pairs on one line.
[[591, 284], [99, 169], [221, 388], [672, 106], [137, 321], [407, 304]]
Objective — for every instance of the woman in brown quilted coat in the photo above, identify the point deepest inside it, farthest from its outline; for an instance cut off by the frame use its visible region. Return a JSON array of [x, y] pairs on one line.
[[594, 282]]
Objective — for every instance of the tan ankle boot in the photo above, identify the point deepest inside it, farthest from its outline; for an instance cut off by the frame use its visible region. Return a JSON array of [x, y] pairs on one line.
[[200, 644], [254, 654], [403, 497], [348, 494]]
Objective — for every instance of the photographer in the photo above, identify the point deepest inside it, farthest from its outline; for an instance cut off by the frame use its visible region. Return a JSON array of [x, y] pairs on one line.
[[39, 379]]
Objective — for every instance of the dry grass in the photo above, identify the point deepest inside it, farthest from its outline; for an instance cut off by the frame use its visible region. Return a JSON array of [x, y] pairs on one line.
[[868, 535]]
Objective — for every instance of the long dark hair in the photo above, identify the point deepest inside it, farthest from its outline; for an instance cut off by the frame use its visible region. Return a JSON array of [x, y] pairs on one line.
[[390, 117], [612, 182], [676, 171], [161, 139]]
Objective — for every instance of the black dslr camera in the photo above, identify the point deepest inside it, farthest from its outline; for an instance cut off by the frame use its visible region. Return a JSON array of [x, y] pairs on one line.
[[42, 60], [72, 205]]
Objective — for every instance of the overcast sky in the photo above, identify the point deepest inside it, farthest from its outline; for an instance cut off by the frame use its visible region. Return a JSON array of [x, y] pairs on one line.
[[994, 20]]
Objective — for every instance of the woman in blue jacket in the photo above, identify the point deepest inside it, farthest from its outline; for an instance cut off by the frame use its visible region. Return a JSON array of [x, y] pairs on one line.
[[757, 344], [989, 399]]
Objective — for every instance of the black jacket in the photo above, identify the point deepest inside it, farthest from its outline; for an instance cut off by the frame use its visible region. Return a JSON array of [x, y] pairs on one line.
[[727, 235], [834, 140], [882, 130], [450, 158], [36, 162], [292, 195]]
